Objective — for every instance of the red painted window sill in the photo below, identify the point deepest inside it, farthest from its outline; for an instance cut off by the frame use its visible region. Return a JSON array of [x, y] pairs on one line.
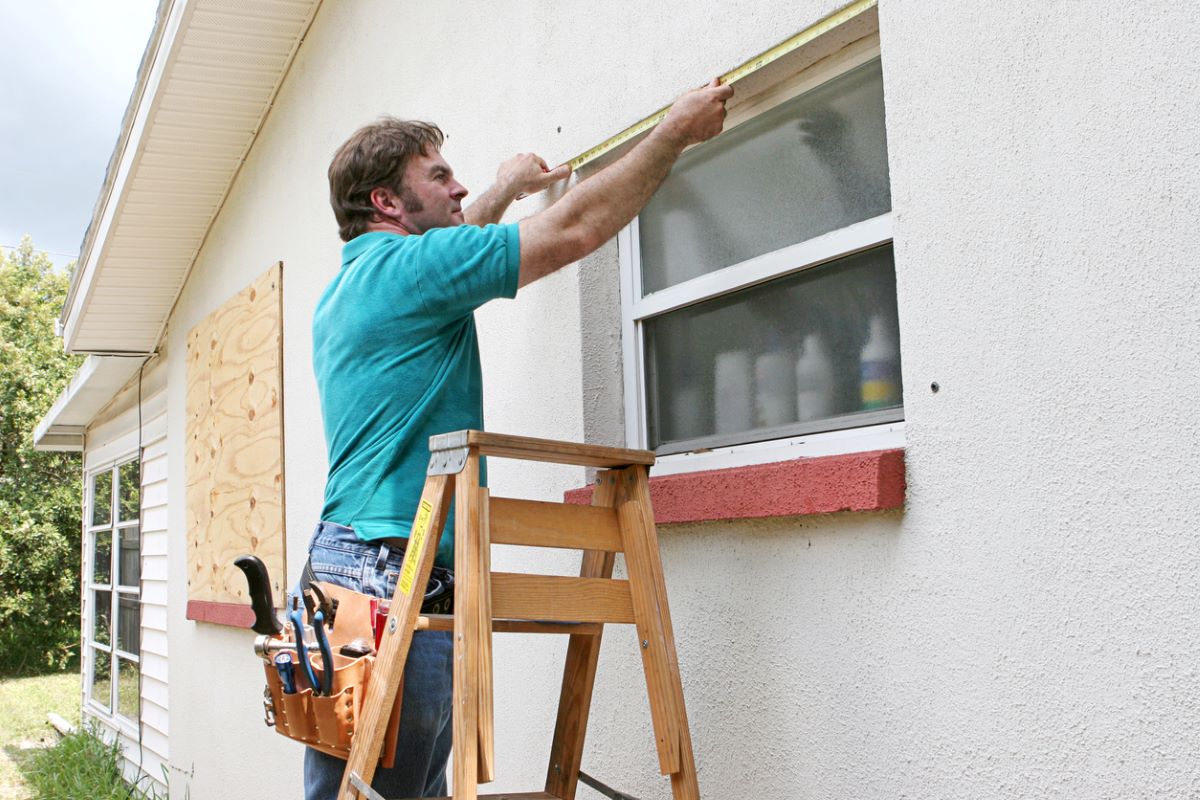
[[236, 615], [872, 481]]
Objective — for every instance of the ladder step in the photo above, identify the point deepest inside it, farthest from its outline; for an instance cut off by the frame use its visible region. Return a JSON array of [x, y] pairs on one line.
[[561, 599], [445, 622], [539, 524], [527, 448]]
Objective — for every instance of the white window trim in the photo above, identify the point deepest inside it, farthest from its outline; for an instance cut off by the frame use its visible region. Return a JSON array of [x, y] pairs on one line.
[[789, 260], [110, 715]]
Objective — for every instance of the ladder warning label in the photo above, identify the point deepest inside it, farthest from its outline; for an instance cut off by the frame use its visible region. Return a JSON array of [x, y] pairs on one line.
[[416, 543]]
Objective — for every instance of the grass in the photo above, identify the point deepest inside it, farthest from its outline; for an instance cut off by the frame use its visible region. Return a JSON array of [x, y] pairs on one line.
[[81, 766], [24, 732], [37, 764]]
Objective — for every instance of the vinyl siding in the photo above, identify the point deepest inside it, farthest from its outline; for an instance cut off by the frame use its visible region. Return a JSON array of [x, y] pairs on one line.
[[115, 436]]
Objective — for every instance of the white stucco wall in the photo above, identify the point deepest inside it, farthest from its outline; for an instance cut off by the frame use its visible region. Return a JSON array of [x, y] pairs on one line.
[[1028, 627]]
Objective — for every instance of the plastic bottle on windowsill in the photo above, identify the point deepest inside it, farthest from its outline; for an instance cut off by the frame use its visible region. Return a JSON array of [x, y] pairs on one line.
[[880, 367], [687, 412], [733, 390], [774, 386], [814, 380]]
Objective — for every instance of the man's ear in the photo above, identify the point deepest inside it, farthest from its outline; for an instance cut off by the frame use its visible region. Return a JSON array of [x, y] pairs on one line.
[[385, 202]]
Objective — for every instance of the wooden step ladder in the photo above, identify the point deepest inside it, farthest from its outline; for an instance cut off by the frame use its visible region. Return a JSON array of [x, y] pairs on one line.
[[620, 520]]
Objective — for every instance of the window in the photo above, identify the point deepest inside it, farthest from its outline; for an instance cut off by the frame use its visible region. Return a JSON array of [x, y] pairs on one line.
[[759, 292], [113, 634]]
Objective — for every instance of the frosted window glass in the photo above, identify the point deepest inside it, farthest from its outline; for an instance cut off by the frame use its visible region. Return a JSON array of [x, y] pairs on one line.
[[809, 166], [810, 351]]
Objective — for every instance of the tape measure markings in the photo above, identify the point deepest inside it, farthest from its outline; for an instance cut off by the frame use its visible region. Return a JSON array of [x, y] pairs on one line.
[[737, 73], [416, 538]]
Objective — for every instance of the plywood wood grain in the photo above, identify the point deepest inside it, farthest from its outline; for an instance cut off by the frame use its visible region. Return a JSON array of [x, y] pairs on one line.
[[234, 458]]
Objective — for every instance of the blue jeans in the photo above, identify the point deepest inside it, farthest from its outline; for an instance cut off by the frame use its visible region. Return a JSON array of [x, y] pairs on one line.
[[423, 743]]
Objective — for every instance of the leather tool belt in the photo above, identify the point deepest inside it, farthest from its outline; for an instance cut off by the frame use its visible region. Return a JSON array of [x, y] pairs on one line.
[[305, 703], [322, 711]]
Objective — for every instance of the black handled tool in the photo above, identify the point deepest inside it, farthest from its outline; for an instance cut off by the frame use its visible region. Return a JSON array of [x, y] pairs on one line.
[[265, 621]]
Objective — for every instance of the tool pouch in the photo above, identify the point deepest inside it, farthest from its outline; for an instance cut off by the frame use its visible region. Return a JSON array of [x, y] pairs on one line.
[[327, 723]]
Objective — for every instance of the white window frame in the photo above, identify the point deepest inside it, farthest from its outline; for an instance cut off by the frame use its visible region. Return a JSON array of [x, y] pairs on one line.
[[110, 713], [635, 308]]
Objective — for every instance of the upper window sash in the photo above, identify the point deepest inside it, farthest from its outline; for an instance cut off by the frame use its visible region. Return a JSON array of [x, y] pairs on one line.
[[812, 162]]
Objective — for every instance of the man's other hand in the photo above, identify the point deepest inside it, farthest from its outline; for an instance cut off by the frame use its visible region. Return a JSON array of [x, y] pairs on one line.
[[697, 115], [527, 173]]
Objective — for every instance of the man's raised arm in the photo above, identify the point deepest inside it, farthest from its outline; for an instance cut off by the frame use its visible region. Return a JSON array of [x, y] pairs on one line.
[[594, 211]]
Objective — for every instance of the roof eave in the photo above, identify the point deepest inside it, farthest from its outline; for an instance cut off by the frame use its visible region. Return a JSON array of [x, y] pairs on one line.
[[92, 387], [206, 85], [78, 291]]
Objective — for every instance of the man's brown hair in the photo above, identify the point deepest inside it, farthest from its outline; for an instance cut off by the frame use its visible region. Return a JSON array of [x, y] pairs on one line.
[[376, 155]]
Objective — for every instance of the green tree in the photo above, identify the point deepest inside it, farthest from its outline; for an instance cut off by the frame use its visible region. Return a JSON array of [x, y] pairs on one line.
[[39, 492]]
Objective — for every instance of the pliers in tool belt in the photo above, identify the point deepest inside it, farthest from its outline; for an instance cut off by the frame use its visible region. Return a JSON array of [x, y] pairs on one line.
[[316, 600], [297, 619], [326, 651]]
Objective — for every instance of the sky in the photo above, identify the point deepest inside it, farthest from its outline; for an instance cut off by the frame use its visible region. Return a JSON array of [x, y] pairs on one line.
[[67, 68]]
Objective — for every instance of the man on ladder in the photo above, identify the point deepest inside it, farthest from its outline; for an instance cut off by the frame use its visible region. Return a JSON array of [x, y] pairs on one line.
[[396, 360]]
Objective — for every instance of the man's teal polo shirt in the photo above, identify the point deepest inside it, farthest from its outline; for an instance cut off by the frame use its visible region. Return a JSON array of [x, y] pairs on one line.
[[397, 361]]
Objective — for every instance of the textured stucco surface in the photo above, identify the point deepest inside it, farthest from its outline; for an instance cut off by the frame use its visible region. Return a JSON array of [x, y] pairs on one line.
[[1044, 166], [1028, 626]]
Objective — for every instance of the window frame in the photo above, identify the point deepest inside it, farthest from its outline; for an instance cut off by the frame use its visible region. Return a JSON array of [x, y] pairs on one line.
[[113, 526], [874, 432]]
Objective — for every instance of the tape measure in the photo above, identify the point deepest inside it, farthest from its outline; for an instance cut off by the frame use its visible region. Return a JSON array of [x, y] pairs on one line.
[[737, 73]]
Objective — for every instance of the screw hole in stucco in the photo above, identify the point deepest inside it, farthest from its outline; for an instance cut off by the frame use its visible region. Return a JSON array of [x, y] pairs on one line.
[[935, 387]]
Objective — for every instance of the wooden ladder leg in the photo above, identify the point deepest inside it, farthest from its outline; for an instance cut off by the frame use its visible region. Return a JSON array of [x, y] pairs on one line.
[[487, 727], [579, 673], [467, 632], [388, 671], [659, 659]]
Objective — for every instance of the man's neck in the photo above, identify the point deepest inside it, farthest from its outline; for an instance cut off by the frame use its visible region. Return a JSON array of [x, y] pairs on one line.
[[388, 226]]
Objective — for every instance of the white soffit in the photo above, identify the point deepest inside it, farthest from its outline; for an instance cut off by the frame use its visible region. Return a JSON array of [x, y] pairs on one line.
[[91, 388], [205, 87]]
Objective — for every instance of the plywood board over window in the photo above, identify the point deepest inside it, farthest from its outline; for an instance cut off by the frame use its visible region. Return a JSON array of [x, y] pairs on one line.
[[235, 491]]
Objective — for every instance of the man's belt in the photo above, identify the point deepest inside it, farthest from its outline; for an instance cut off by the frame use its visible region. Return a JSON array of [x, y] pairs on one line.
[[439, 591]]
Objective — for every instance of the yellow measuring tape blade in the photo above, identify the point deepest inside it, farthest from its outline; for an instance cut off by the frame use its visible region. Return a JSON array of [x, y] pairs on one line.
[[416, 538], [737, 73]]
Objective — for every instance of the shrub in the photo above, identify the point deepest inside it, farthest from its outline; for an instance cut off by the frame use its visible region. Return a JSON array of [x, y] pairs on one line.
[[39, 492], [39, 607]]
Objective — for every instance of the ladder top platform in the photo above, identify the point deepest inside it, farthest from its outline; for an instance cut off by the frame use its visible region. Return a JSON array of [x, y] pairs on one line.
[[530, 449]]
